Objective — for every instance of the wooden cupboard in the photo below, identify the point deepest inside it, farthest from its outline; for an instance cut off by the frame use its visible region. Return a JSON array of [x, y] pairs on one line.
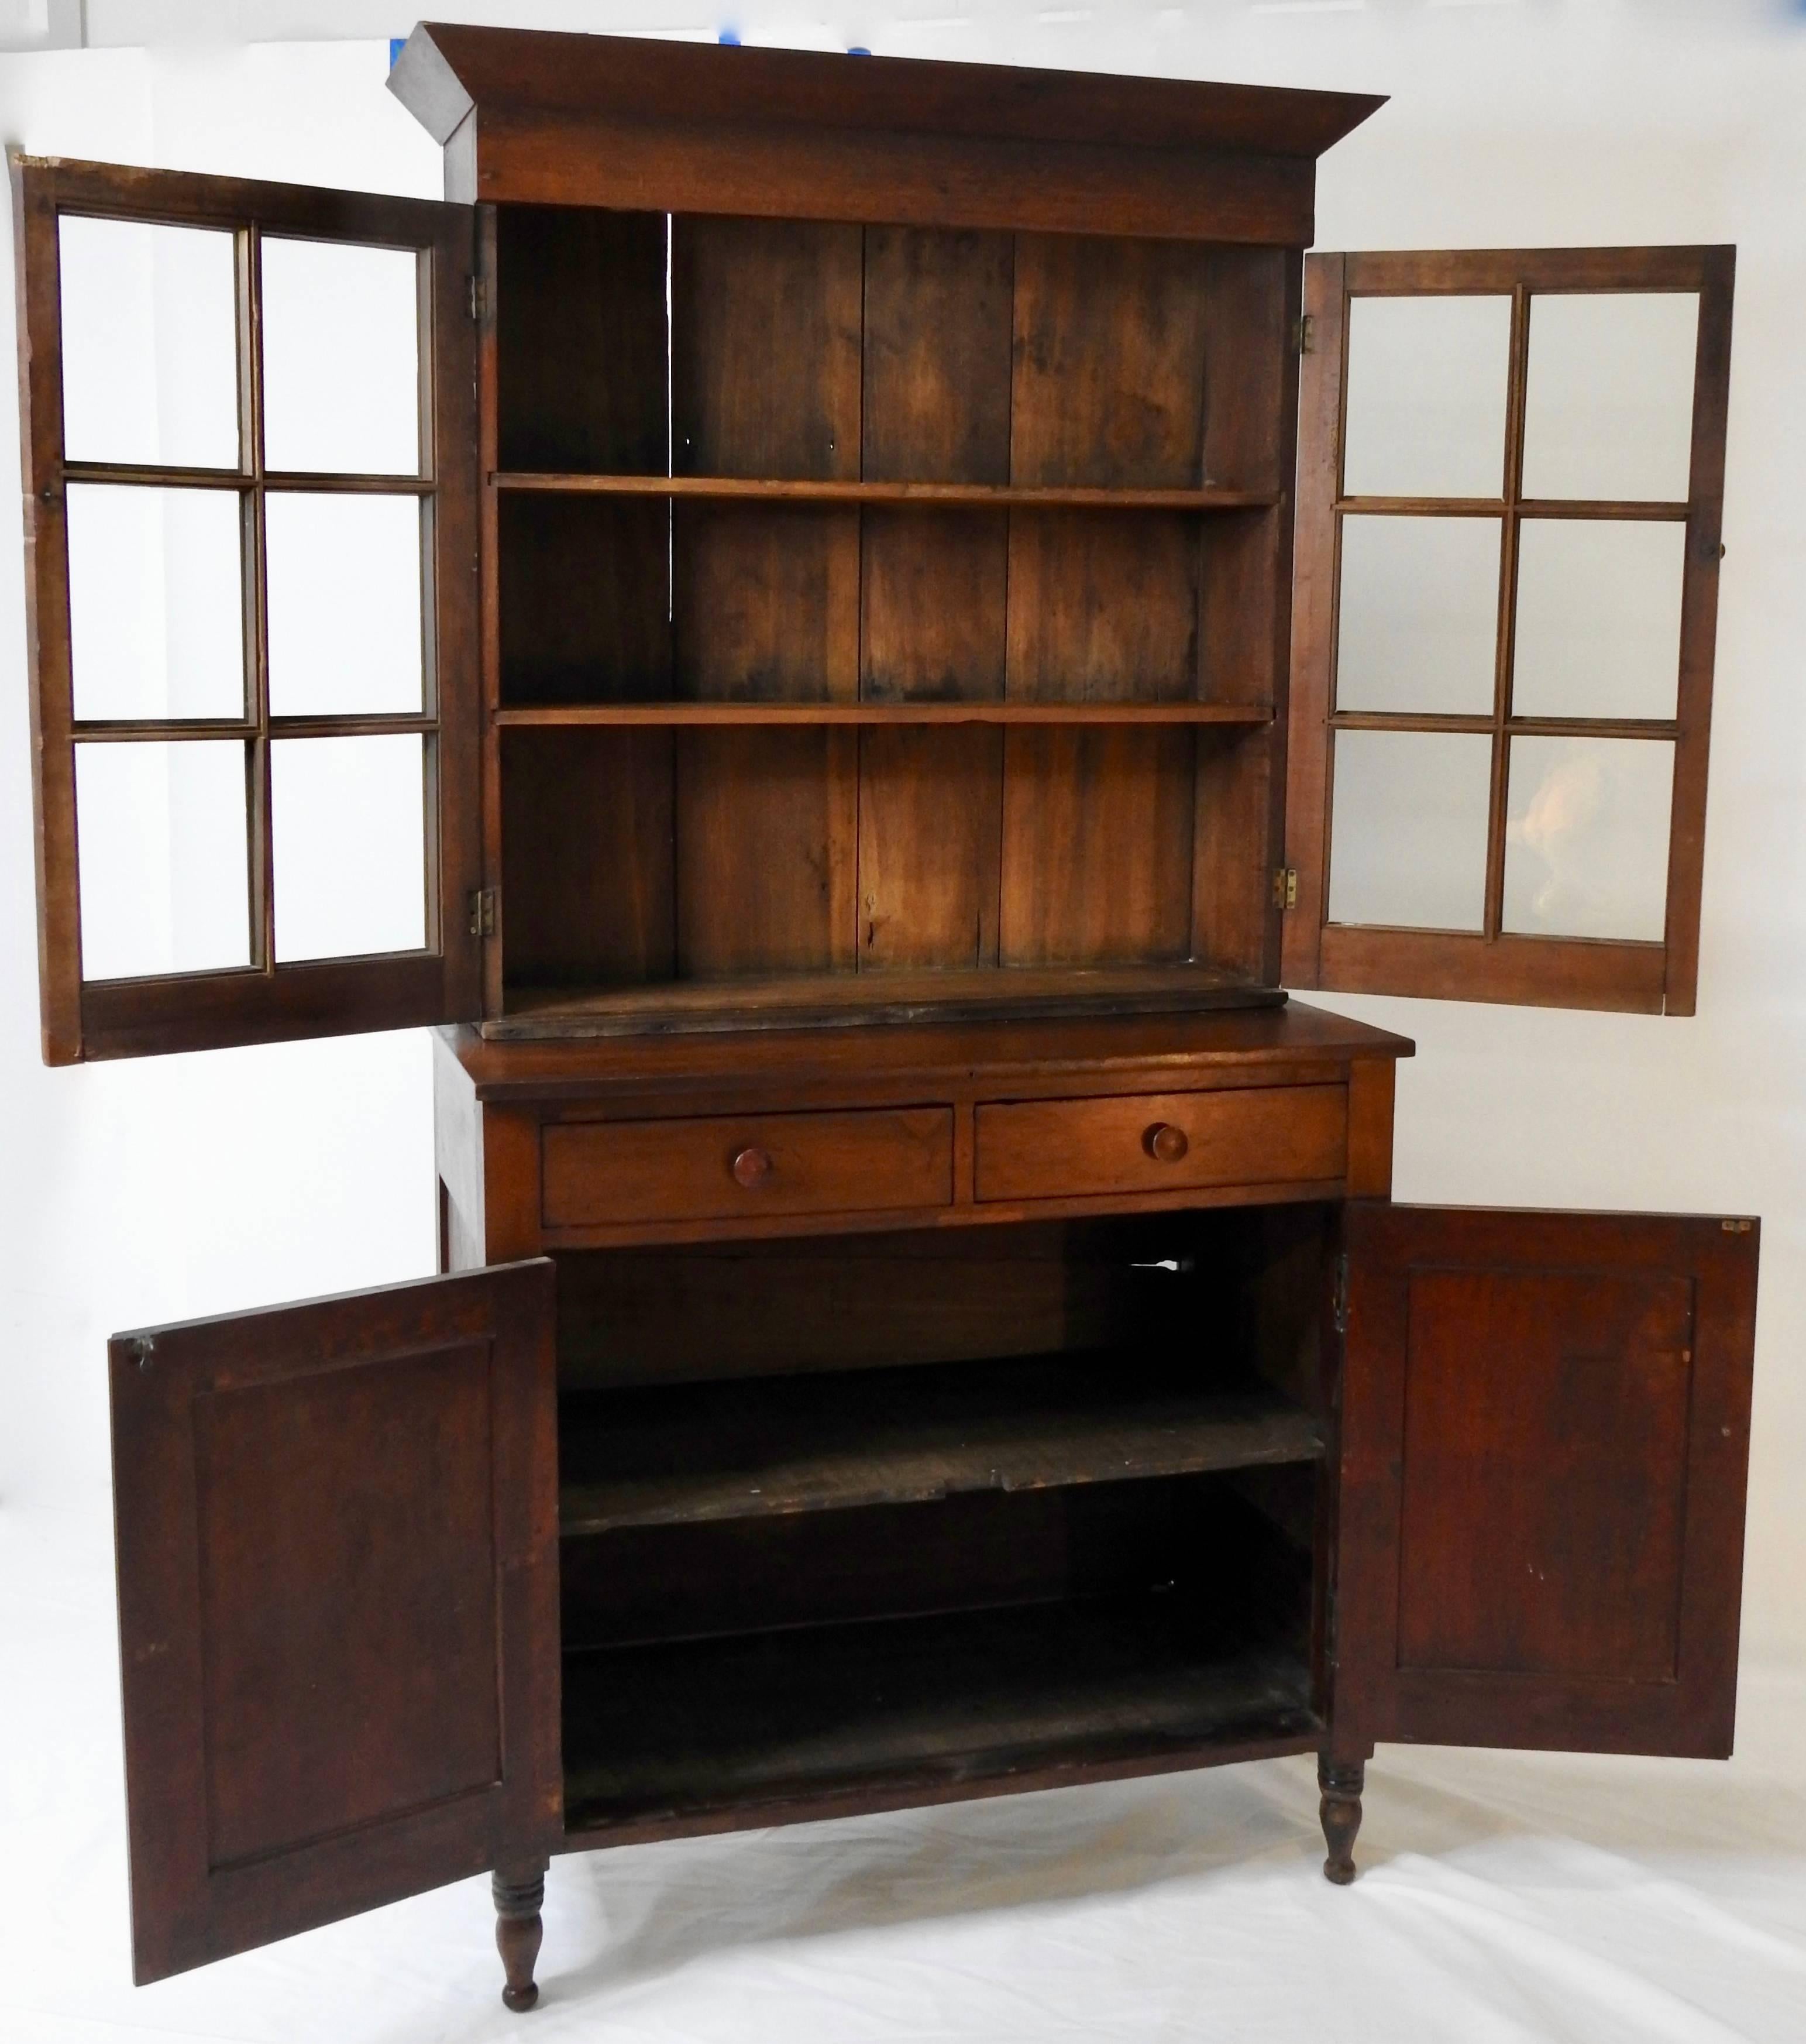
[[922, 1314]]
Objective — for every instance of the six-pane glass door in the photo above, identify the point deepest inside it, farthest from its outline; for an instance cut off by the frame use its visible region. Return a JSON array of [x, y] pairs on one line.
[[253, 407]]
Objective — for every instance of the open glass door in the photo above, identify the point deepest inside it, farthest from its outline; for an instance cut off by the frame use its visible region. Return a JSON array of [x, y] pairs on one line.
[[1544, 1442], [250, 466], [337, 1530], [1511, 478]]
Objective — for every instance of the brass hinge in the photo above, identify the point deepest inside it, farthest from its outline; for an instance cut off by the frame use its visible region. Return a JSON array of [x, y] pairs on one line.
[[479, 297], [1339, 1308], [1304, 334], [1285, 887], [483, 912]]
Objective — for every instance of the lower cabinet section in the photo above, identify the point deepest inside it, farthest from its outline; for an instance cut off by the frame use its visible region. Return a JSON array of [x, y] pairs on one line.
[[412, 1586], [1058, 1523]]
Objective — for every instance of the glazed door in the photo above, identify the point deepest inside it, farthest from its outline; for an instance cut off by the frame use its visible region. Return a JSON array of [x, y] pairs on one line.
[[337, 1533], [1545, 1433], [250, 457]]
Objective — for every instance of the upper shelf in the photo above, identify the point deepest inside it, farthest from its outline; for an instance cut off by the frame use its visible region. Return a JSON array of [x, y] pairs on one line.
[[950, 496]]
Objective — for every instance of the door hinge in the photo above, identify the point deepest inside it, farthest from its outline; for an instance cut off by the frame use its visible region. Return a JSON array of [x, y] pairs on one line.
[[483, 912], [1339, 1308], [1285, 887], [479, 297], [1304, 334]]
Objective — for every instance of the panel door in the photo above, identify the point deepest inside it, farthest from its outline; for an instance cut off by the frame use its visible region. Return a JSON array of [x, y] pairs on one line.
[[1545, 1434], [250, 455], [337, 1528]]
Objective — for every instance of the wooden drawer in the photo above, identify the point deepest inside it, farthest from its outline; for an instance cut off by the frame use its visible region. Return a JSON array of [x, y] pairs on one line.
[[1156, 1142], [743, 1167]]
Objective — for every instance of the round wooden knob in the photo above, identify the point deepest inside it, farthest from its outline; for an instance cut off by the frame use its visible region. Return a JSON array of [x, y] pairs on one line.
[[1164, 1143], [752, 1167]]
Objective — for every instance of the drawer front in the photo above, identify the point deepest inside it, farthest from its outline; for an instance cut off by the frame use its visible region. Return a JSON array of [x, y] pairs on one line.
[[741, 1167], [1156, 1142]]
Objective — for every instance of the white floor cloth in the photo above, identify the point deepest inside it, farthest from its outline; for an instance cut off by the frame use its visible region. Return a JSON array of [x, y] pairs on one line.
[[1503, 1897]]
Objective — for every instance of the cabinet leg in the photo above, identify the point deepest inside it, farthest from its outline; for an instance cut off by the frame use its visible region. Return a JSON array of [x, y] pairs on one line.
[[1341, 1782], [518, 1932]]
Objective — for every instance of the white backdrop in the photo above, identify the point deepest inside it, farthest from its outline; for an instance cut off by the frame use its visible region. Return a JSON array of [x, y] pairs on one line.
[[135, 1193]]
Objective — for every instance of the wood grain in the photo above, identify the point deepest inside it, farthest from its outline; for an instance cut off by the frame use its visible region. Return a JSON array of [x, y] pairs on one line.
[[1049, 1148], [682, 1170], [1097, 846], [930, 803]]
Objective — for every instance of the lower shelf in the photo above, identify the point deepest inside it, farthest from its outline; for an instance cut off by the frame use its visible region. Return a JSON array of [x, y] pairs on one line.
[[693, 1729], [846, 999]]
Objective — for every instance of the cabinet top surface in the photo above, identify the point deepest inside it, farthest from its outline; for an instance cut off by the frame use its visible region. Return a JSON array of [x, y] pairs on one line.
[[446, 71], [803, 1061]]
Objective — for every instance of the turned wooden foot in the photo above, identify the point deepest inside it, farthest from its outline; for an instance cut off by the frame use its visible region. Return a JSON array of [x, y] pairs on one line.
[[1340, 1809], [518, 1933]]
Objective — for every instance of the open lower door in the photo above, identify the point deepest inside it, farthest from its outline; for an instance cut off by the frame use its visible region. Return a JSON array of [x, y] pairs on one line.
[[1545, 1433], [337, 1529]]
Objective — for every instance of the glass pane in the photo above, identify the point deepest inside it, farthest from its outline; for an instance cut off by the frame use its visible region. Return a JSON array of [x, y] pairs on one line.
[[1426, 406], [156, 617], [344, 597], [160, 856], [347, 817], [1609, 409], [1419, 617], [1586, 837], [1408, 838], [150, 343], [1598, 618], [341, 358]]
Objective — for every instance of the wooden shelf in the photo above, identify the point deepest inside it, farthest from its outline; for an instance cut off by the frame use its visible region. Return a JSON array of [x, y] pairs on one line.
[[591, 714], [949, 496], [677, 1731], [676, 1455], [801, 1000]]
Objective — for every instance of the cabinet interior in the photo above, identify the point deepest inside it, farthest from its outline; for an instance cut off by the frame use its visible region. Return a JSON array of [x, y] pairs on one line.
[[1048, 1498], [880, 601]]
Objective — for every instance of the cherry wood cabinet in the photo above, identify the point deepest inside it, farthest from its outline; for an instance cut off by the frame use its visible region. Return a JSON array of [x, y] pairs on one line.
[[922, 1314]]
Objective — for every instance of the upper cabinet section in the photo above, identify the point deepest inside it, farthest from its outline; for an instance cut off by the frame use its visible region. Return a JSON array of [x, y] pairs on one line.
[[679, 127], [1511, 476], [250, 429]]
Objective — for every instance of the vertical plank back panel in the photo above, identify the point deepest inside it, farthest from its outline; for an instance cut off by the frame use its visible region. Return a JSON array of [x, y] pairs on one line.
[[1097, 839], [582, 340], [929, 814], [937, 349], [765, 348], [1103, 606], [765, 602], [766, 825], [1108, 381], [582, 596], [587, 855], [766, 322]]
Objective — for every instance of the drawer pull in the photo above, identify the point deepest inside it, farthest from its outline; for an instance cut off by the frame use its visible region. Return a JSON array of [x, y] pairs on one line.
[[752, 1167], [1164, 1143]]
